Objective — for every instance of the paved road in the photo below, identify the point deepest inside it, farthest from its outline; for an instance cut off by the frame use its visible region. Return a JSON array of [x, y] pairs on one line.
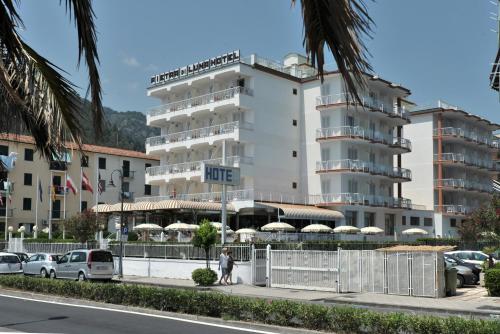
[[26, 315]]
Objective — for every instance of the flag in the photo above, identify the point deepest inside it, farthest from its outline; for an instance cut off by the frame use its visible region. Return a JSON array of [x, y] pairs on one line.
[[86, 183], [99, 185], [7, 185], [71, 185], [40, 190], [1, 200], [53, 193]]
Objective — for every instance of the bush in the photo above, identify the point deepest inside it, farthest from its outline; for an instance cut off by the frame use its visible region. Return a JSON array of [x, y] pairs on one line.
[[492, 282], [204, 276], [132, 236], [273, 312]]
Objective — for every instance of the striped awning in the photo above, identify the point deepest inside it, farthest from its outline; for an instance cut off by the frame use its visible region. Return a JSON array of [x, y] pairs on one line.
[[202, 206], [117, 207], [294, 211], [101, 208], [144, 206]]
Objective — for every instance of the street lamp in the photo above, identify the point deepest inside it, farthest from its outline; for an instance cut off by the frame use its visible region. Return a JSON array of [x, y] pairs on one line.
[[112, 184]]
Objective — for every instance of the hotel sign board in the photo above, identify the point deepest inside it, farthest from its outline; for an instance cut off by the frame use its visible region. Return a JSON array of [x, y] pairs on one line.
[[216, 174], [195, 68]]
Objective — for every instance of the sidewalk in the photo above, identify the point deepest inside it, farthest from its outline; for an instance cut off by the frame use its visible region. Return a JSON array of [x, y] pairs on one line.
[[468, 301]]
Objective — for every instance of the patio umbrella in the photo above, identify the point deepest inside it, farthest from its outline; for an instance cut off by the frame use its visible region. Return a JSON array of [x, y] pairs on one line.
[[246, 231], [371, 230], [414, 231], [194, 226], [148, 227], [346, 229], [217, 225], [278, 227], [180, 227], [316, 228]]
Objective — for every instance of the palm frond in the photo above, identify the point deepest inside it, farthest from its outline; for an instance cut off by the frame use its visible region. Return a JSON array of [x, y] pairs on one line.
[[495, 73], [340, 24], [83, 14]]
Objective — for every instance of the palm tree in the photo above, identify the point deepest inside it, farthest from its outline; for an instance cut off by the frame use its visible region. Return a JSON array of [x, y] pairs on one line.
[[495, 73], [35, 97]]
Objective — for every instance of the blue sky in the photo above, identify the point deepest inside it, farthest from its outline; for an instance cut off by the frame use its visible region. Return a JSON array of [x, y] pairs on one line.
[[438, 49]]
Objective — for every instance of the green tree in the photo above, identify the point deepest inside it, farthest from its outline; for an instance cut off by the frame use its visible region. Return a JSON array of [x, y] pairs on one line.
[[83, 226], [483, 223], [205, 237]]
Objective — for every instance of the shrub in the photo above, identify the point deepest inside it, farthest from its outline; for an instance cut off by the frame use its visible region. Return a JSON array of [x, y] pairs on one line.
[[204, 276], [492, 282], [273, 312], [132, 236]]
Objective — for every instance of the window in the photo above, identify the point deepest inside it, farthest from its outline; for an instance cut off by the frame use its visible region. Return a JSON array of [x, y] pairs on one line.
[[294, 154], [64, 259], [56, 180], [28, 179], [4, 150], [351, 218], [84, 205], [294, 91], [415, 221], [294, 122], [427, 221], [78, 257], [241, 82], [147, 190], [126, 168], [103, 185], [369, 219], [453, 222], [27, 204], [33, 258], [28, 154], [403, 220], [294, 185], [147, 166], [389, 223], [126, 187], [84, 161], [102, 163]]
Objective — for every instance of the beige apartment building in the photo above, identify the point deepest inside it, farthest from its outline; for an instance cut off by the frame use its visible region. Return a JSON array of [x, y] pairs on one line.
[[37, 188]]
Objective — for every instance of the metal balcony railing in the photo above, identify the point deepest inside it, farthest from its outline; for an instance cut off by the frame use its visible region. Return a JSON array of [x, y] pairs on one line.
[[361, 199], [453, 209], [472, 136], [196, 101], [464, 184], [193, 166], [363, 167], [205, 132]]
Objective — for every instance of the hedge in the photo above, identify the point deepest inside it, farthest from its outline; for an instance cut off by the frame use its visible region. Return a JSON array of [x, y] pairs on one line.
[[273, 312], [492, 282]]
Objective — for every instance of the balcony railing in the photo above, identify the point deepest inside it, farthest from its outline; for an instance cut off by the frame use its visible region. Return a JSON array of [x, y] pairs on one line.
[[369, 103], [56, 214], [490, 141], [222, 95], [362, 167], [467, 160], [464, 184], [193, 166], [127, 173], [453, 209], [58, 165], [206, 132], [365, 134], [360, 199]]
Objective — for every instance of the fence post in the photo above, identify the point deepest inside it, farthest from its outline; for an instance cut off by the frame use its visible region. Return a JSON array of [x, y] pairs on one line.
[[385, 279], [339, 268], [268, 266], [253, 263]]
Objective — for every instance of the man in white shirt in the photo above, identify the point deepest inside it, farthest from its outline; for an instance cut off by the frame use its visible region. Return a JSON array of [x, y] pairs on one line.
[[223, 265]]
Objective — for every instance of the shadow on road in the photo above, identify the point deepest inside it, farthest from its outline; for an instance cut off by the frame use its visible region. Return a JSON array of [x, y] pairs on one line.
[[33, 321]]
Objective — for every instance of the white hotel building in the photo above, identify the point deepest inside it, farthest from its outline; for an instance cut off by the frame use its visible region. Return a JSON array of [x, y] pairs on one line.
[[296, 140]]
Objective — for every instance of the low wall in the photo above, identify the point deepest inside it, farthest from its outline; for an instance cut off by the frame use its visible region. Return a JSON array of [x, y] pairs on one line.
[[179, 269]]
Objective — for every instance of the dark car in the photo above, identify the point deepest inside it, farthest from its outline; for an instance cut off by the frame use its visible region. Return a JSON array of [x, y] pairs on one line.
[[476, 269], [22, 256]]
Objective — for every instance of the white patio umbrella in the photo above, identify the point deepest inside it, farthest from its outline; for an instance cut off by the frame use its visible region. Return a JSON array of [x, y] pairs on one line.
[[346, 229], [414, 231], [194, 226], [372, 230], [246, 231], [180, 227], [217, 225], [278, 227], [45, 230], [316, 228], [148, 227]]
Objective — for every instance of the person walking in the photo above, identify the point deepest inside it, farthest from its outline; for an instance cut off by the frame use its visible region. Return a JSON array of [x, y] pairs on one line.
[[223, 265], [230, 264]]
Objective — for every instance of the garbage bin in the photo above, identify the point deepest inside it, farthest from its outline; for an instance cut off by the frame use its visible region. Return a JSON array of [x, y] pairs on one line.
[[451, 281]]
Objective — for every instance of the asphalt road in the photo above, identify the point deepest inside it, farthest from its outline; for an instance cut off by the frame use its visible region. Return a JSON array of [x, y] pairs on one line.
[[26, 315]]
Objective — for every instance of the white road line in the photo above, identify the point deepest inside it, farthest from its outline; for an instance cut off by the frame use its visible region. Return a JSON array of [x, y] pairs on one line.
[[142, 314]]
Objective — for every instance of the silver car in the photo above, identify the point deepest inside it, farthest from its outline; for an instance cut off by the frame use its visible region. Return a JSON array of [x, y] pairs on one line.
[[10, 264], [40, 264], [84, 264]]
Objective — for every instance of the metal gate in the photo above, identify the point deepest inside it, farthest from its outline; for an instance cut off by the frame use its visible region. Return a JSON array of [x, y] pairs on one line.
[[259, 264]]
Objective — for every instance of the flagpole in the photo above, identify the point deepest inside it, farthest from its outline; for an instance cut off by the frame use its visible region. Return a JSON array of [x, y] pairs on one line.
[[64, 199], [81, 180], [36, 203], [51, 190], [97, 184], [6, 206]]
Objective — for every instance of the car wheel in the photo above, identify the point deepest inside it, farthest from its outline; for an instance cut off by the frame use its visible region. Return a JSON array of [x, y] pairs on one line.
[[43, 273], [52, 274], [81, 277], [460, 281]]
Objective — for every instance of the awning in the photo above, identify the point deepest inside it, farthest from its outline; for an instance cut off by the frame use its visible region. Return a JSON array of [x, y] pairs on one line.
[[144, 206], [295, 211], [117, 207], [167, 205], [101, 208]]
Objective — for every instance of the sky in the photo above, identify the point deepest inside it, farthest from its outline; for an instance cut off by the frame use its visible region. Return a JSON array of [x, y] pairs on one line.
[[439, 49]]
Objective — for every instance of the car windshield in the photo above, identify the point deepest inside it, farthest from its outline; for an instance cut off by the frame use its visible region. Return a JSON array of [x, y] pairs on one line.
[[101, 256], [9, 259], [480, 257], [54, 257]]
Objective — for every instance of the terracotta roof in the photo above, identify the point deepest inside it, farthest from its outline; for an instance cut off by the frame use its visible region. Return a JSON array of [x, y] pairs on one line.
[[86, 147]]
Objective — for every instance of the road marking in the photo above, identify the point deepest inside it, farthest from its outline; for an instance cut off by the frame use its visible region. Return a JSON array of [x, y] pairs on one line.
[[142, 314]]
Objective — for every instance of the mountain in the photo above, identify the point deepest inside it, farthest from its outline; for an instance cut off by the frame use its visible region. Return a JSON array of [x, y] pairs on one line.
[[127, 130]]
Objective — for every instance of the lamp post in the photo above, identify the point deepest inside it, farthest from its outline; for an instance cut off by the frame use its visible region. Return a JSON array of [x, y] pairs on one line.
[[112, 184]]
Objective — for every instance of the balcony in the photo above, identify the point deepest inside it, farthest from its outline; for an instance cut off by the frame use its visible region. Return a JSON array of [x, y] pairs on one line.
[[57, 214], [360, 199], [466, 161], [368, 103], [189, 170], [231, 96], [231, 195], [202, 136], [58, 190], [58, 166], [128, 196], [461, 184], [359, 133], [454, 210], [467, 136], [358, 166], [128, 174]]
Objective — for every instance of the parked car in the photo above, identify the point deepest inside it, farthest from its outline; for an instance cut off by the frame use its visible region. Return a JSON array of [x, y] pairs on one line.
[[476, 268], [10, 264], [40, 264], [474, 257], [464, 274], [22, 256], [84, 264]]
